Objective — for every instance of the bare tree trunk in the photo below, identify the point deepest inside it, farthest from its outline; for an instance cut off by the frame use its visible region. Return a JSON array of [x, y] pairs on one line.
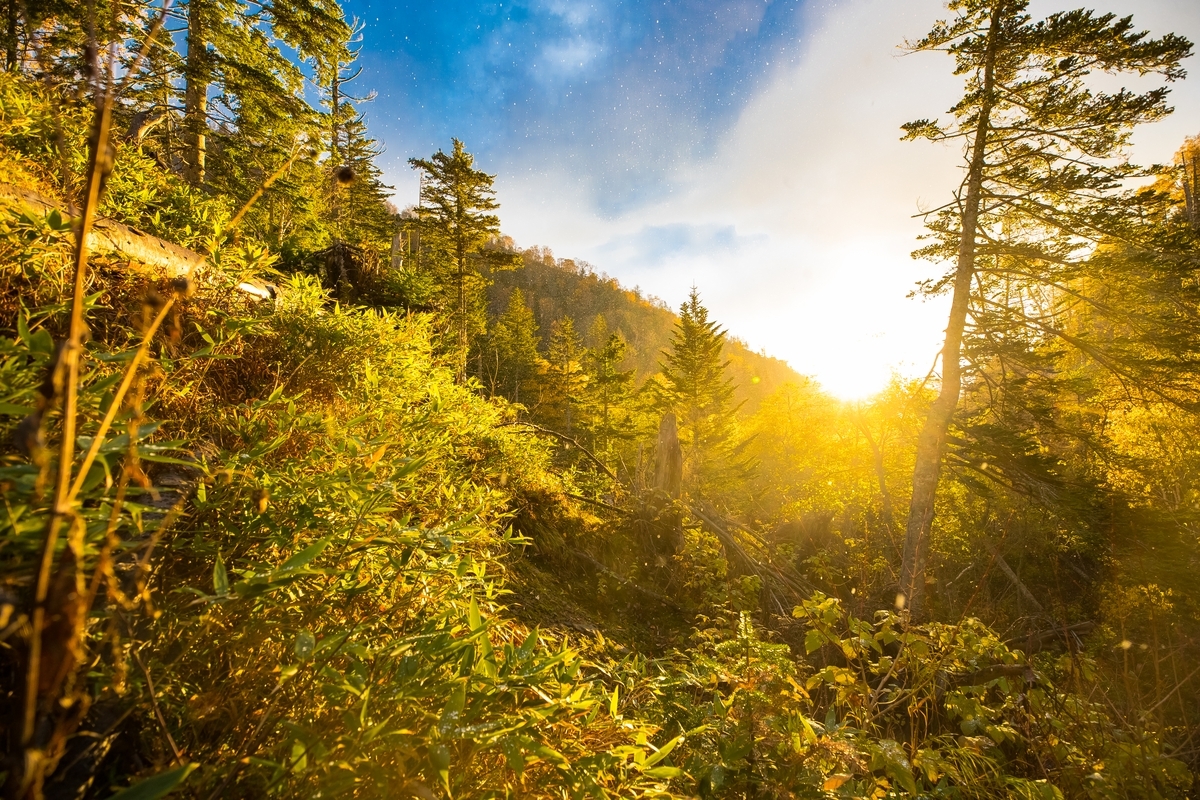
[[334, 104], [462, 316], [108, 237], [1191, 183], [196, 95], [931, 443], [11, 42]]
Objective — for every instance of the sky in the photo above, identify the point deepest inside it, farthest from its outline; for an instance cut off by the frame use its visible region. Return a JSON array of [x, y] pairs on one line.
[[750, 148]]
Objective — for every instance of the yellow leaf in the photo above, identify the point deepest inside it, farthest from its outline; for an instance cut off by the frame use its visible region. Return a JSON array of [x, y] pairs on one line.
[[834, 782], [378, 454]]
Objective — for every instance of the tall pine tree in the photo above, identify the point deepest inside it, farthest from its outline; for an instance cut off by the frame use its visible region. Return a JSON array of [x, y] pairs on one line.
[[697, 388], [608, 389], [511, 361], [456, 225], [1043, 171], [564, 379]]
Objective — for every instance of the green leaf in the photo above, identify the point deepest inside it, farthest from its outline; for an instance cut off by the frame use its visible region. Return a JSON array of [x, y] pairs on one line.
[[473, 617], [813, 641], [220, 577], [12, 409], [304, 556], [513, 754], [663, 752], [487, 658], [439, 759], [158, 786]]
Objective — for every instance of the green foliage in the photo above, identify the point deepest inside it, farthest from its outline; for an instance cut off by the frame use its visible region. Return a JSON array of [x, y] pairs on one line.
[[312, 559], [695, 386], [455, 225], [510, 360]]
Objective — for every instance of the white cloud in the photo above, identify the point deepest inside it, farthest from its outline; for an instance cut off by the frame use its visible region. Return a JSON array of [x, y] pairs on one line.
[[564, 59], [816, 194]]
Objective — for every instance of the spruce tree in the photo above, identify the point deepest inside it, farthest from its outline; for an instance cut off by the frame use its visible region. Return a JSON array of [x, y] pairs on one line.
[[565, 379], [1043, 172], [608, 389], [697, 388], [512, 362], [456, 225]]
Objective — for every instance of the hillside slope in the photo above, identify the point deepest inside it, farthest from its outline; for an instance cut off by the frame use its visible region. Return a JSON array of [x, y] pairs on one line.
[[555, 288]]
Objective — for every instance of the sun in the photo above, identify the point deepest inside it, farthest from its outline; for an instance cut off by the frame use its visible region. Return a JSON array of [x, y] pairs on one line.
[[854, 384]]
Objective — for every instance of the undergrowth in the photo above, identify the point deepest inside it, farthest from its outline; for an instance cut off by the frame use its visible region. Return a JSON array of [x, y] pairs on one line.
[[296, 547]]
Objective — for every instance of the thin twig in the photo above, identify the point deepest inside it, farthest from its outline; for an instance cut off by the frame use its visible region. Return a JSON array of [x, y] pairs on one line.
[[254, 198], [567, 439], [598, 503], [162, 722], [1178, 686], [62, 509]]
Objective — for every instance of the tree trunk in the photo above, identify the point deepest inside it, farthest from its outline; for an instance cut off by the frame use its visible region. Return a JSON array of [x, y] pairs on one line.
[[931, 444], [335, 102], [11, 42], [462, 315], [198, 73]]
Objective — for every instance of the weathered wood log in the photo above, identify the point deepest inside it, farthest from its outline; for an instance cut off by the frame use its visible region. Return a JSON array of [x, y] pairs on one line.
[[109, 237]]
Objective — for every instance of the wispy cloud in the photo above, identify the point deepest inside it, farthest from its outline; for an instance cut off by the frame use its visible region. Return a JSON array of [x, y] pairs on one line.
[[751, 148], [817, 194]]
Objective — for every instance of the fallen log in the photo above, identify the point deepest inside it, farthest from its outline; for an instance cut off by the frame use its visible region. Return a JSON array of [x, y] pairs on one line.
[[109, 237]]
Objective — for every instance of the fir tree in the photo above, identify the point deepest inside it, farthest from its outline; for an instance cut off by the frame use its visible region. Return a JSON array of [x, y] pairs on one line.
[[608, 388], [697, 389], [456, 225], [512, 361], [564, 379], [1042, 177]]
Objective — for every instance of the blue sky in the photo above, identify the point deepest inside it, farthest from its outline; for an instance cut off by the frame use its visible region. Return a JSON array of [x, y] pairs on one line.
[[749, 147], [622, 89]]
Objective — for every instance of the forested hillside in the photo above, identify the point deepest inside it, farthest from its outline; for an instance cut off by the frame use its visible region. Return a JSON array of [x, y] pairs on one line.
[[600, 306], [308, 496]]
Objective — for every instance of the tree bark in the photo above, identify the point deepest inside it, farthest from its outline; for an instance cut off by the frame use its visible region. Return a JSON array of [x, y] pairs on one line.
[[11, 39], [108, 237], [931, 444], [198, 73]]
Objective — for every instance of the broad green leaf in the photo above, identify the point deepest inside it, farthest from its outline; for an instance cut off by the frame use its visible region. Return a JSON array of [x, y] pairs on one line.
[[663, 752], [439, 759], [158, 786], [473, 617], [305, 644], [220, 578], [304, 556]]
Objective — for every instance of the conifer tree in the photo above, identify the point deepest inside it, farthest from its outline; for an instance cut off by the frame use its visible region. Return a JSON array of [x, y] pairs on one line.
[[608, 388], [512, 361], [565, 379], [697, 389], [1043, 172], [357, 208], [234, 46], [456, 225]]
